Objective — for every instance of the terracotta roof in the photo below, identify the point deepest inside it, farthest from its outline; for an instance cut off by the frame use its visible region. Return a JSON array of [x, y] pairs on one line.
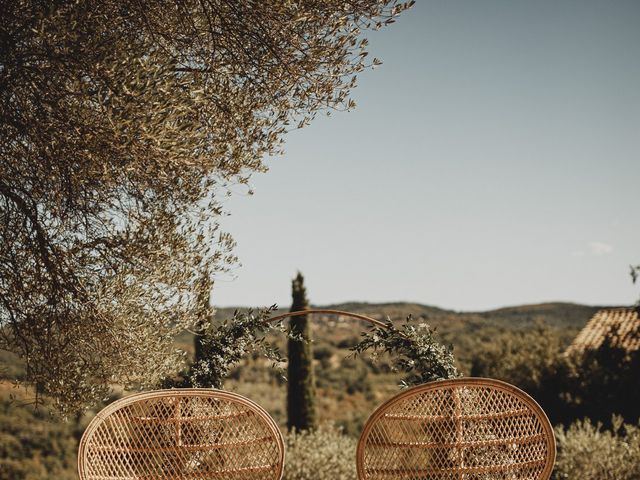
[[622, 323]]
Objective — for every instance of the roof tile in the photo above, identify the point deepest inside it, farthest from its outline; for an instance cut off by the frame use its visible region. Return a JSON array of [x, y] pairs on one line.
[[622, 324]]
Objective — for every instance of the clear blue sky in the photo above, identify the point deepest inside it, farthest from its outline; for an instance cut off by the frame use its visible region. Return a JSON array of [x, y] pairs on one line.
[[493, 160]]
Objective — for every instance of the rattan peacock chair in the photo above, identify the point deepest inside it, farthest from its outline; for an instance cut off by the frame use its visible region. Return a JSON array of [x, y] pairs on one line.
[[462, 429], [194, 434]]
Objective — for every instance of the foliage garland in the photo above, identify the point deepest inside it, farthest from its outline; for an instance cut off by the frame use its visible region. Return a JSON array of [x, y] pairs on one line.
[[412, 348], [225, 345]]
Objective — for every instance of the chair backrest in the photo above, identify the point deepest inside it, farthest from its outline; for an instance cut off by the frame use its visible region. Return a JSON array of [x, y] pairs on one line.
[[467, 428], [195, 434]]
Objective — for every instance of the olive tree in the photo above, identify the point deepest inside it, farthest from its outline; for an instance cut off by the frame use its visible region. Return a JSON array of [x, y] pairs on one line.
[[122, 122]]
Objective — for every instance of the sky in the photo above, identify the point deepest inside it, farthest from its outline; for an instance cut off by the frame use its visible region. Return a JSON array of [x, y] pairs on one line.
[[492, 160]]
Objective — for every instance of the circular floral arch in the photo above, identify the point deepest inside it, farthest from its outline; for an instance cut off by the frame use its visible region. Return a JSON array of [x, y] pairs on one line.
[[412, 347]]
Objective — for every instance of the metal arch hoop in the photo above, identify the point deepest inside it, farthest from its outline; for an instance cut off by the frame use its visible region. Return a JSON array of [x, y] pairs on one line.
[[537, 410], [357, 316], [101, 416]]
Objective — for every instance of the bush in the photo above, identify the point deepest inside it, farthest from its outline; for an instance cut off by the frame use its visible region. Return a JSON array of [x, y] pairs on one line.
[[523, 358], [324, 454], [533, 361], [588, 452], [32, 445]]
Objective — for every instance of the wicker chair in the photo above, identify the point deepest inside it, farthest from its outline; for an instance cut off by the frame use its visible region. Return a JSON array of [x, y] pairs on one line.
[[467, 428], [195, 434]]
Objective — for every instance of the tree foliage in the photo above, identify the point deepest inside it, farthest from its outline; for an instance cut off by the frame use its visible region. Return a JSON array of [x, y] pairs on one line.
[[595, 384], [301, 388], [602, 382], [532, 360], [526, 359], [121, 124]]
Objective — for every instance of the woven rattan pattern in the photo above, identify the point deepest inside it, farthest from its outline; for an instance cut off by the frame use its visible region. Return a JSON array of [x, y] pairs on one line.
[[194, 434], [463, 429]]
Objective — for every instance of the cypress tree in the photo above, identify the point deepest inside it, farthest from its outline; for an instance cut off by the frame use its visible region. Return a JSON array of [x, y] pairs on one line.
[[301, 413]]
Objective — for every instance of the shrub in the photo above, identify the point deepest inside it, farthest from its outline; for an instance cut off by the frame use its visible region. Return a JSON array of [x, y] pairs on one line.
[[32, 446], [323, 454], [523, 358], [533, 361], [588, 452]]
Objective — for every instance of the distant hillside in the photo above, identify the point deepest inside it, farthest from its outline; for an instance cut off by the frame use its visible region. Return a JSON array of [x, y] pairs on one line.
[[558, 314]]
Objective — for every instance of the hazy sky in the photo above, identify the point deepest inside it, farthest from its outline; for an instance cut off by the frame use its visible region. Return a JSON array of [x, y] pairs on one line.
[[493, 160]]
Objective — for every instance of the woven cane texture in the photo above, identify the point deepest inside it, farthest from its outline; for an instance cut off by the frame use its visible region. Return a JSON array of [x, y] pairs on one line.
[[185, 434], [463, 429]]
